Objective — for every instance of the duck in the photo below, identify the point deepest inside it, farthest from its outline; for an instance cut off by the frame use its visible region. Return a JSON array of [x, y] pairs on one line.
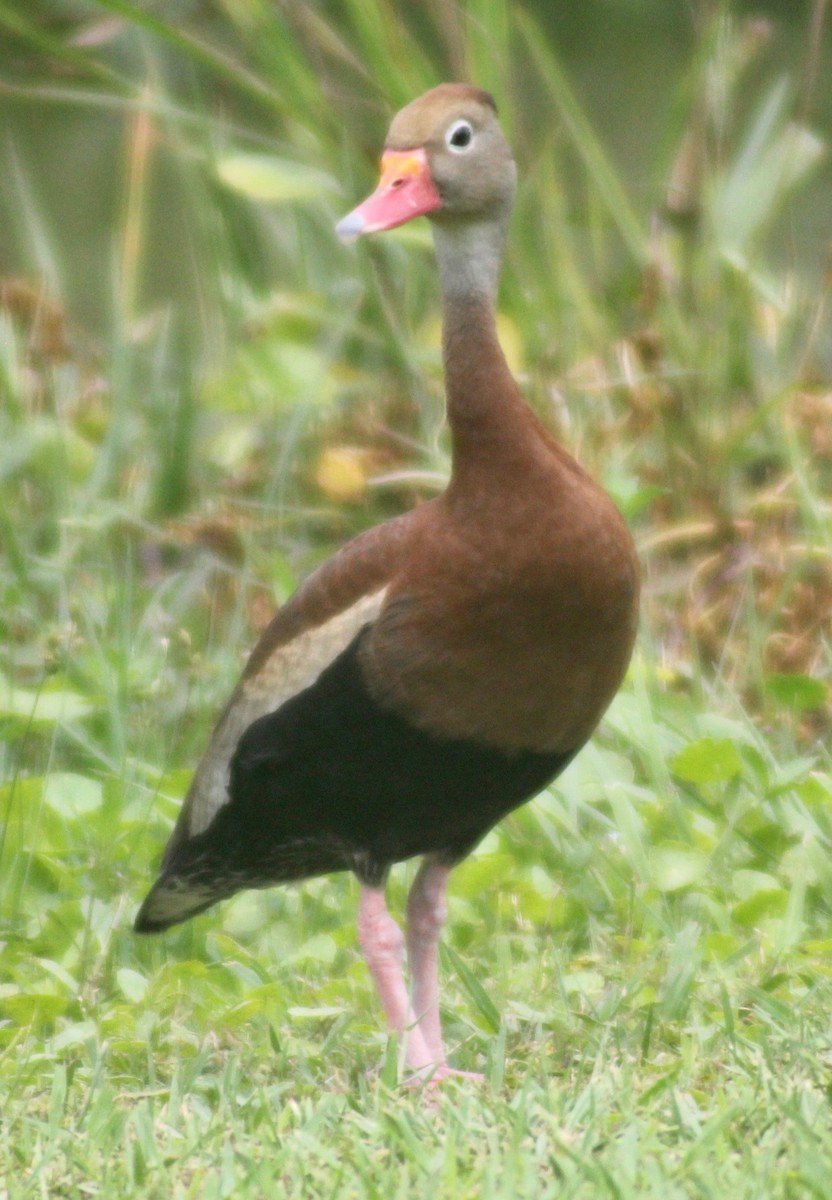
[[441, 668]]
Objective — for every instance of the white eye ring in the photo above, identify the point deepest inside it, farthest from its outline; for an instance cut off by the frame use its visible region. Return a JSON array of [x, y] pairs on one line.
[[460, 137]]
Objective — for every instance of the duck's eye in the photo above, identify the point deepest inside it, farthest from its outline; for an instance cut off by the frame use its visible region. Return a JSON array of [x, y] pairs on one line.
[[459, 137]]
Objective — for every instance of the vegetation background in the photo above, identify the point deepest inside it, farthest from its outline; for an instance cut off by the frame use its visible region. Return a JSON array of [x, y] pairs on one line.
[[203, 393]]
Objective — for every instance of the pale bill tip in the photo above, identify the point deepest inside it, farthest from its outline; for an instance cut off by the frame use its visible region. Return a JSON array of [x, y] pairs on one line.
[[350, 228]]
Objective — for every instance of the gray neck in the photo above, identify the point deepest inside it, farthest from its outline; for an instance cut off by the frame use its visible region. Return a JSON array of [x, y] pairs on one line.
[[484, 407], [469, 255]]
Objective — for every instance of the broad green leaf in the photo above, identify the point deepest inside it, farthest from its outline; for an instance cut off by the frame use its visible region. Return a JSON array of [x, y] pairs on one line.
[[274, 180], [47, 706], [708, 760], [674, 867], [132, 984], [798, 692], [583, 983], [28, 1008], [761, 897], [60, 973], [815, 790], [747, 883], [72, 795], [761, 905], [79, 1031], [319, 948]]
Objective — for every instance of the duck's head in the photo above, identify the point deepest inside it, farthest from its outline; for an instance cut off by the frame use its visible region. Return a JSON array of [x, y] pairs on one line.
[[445, 157]]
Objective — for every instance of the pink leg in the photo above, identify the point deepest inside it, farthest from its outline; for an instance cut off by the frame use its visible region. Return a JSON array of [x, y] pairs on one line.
[[426, 913], [383, 947]]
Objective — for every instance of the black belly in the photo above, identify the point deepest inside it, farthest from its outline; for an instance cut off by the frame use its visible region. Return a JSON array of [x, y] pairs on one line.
[[331, 781]]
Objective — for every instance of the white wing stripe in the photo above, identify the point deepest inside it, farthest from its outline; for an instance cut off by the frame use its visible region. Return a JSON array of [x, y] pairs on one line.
[[289, 670]]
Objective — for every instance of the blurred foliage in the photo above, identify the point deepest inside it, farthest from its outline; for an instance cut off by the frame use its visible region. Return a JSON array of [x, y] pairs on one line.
[[659, 328], [201, 393]]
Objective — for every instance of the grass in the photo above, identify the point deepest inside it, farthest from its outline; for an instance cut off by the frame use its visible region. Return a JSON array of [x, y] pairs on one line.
[[639, 962]]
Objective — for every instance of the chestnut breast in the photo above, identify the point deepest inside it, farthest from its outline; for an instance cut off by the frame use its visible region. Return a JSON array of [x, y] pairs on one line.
[[513, 618]]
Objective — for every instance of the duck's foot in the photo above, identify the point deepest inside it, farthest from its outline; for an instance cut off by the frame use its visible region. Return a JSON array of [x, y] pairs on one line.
[[434, 1075]]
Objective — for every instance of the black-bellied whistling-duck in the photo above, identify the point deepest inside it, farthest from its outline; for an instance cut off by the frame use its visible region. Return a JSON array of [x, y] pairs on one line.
[[443, 667]]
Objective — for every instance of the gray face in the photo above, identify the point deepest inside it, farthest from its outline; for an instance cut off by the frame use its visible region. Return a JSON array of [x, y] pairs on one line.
[[470, 160]]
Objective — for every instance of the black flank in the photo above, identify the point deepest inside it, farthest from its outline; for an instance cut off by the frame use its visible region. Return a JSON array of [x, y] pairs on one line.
[[331, 781]]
